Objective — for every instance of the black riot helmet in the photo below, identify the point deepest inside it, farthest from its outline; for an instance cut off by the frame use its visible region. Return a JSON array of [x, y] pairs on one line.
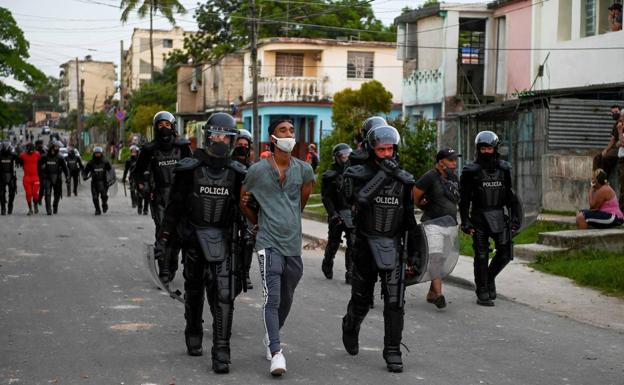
[[486, 139], [369, 124], [340, 154], [164, 134], [54, 147], [220, 135], [240, 151], [383, 135]]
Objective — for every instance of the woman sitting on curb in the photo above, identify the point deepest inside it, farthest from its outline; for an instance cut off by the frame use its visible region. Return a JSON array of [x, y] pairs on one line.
[[604, 211]]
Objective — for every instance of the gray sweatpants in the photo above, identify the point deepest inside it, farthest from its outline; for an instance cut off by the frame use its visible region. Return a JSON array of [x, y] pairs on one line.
[[280, 275]]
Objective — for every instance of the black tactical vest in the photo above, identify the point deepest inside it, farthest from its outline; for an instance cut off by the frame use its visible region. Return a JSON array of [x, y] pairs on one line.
[[213, 198], [99, 172], [7, 167], [51, 169], [383, 214], [72, 164], [490, 192], [162, 166]]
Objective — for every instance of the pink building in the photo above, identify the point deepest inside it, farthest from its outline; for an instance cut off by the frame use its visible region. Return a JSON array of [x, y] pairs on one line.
[[510, 29]]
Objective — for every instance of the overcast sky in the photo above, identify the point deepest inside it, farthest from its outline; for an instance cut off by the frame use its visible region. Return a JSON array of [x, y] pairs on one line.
[[61, 30]]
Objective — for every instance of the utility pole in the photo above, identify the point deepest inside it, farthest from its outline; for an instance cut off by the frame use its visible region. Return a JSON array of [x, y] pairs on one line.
[[254, 76], [122, 125], [78, 109]]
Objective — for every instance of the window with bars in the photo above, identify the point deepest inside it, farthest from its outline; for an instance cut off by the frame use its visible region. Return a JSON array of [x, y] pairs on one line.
[[360, 65], [167, 43], [472, 45], [590, 17], [288, 64]]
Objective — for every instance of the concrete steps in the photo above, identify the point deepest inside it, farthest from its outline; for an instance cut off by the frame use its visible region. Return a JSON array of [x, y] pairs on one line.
[[608, 239], [552, 243], [529, 251]]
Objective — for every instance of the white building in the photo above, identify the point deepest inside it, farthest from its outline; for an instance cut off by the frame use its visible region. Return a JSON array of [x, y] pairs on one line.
[[298, 78]]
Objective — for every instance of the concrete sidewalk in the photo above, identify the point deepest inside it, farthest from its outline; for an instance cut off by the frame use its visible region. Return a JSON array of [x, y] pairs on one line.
[[520, 283]]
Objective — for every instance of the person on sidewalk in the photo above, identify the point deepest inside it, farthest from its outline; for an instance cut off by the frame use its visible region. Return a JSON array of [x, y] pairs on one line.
[[437, 194], [608, 157], [485, 193], [203, 209], [51, 165], [29, 160], [281, 185], [604, 211], [97, 169], [381, 193], [339, 216], [8, 179]]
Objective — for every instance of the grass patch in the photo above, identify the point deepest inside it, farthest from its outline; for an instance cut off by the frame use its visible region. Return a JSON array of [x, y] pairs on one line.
[[598, 269], [527, 235]]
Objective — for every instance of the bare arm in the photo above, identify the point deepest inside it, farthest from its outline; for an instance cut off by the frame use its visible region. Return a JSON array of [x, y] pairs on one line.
[[246, 210], [597, 196], [306, 190], [417, 196]]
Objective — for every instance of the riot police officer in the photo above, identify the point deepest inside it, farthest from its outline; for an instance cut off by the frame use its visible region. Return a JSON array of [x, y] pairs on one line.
[[360, 154], [51, 166], [381, 193], [488, 209], [8, 179], [136, 199], [338, 212], [242, 154], [203, 208], [75, 167], [158, 158], [97, 169]]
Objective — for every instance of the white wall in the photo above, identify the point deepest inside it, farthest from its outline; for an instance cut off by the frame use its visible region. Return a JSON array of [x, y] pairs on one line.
[[573, 67]]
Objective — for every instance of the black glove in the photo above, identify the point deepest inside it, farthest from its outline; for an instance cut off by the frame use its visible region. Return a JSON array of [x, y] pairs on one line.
[[389, 166], [467, 228], [335, 219]]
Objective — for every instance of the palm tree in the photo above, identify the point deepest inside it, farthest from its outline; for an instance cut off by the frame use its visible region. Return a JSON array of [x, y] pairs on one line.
[[165, 7]]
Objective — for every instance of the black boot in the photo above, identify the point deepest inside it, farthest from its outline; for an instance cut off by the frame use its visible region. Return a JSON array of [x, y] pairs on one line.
[[96, 203], [3, 209], [55, 207], [48, 205], [10, 208], [496, 266], [481, 277], [393, 331], [194, 332], [30, 210], [104, 207], [350, 334], [328, 261], [221, 359], [36, 207]]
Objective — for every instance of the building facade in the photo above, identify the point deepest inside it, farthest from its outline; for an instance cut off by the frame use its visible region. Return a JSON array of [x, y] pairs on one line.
[[96, 78], [206, 88], [298, 78], [137, 69]]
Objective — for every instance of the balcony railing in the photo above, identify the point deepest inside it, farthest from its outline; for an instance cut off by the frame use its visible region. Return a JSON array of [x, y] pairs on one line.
[[291, 89]]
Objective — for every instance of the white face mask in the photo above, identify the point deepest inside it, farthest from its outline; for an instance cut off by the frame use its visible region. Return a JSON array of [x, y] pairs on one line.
[[285, 144]]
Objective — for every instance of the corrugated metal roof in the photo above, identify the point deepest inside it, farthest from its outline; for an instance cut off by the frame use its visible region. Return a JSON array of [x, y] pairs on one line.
[[579, 123]]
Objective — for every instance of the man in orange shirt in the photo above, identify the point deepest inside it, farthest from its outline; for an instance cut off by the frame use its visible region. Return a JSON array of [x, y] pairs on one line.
[[30, 161]]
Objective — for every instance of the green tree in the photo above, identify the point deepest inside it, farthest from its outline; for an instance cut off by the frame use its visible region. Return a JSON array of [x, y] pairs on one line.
[[166, 7], [13, 64], [224, 24], [418, 145], [141, 121]]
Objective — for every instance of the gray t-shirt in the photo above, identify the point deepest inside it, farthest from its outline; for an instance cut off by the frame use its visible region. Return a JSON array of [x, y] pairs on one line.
[[439, 200], [279, 218]]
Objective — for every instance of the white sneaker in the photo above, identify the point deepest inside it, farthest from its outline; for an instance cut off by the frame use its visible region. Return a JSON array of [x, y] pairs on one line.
[[268, 354], [278, 364]]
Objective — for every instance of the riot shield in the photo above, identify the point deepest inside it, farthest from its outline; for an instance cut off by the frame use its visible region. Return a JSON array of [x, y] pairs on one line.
[[435, 252], [111, 182]]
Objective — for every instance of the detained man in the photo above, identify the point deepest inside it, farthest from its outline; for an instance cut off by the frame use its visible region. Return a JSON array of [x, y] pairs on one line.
[[280, 185]]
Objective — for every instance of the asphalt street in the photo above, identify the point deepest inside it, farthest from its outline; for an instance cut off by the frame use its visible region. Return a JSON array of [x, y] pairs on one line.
[[78, 307]]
